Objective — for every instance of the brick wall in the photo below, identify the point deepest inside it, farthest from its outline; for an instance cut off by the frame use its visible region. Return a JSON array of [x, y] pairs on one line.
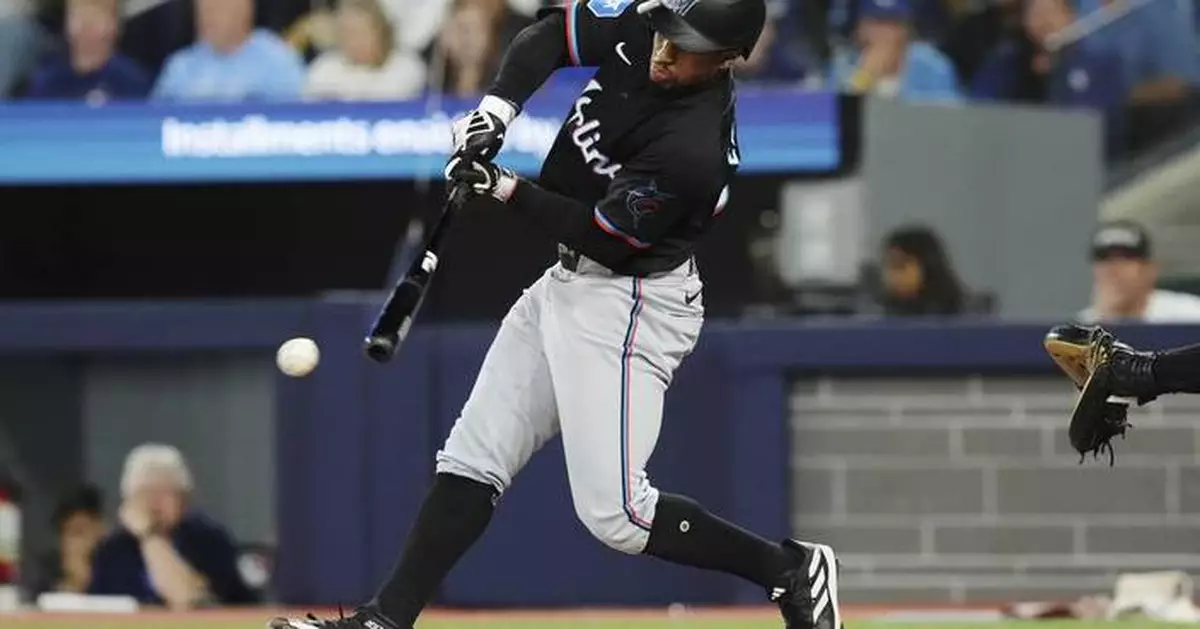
[[965, 489]]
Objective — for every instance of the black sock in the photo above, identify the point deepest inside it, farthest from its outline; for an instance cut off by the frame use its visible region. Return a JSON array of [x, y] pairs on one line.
[[685, 533], [453, 516], [1178, 370]]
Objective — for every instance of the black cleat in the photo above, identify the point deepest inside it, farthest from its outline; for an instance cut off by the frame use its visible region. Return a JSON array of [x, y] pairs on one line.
[[808, 593], [363, 618]]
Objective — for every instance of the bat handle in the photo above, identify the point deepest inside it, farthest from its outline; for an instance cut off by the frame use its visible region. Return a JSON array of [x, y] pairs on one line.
[[381, 348], [458, 194]]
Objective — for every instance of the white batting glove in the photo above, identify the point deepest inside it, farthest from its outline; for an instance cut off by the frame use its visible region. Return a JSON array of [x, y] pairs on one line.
[[483, 178], [480, 134]]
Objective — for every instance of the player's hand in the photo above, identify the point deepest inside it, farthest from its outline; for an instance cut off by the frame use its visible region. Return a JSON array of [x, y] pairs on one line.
[[483, 178], [479, 135]]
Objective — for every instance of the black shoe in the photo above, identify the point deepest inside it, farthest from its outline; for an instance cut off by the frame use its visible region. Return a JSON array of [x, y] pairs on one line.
[[808, 593], [363, 618]]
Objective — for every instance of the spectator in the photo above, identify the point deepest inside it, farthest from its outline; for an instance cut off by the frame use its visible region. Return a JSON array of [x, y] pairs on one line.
[[367, 65], [1080, 75], [918, 278], [155, 32], [1124, 274], [92, 69], [232, 61], [166, 552], [79, 522], [469, 47], [19, 41], [971, 40], [889, 62], [1157, 47]]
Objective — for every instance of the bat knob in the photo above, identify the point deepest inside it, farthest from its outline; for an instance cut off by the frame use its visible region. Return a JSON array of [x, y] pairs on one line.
[[380, 348]]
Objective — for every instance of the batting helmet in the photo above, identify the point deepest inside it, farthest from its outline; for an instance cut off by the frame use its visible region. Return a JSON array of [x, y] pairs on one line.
[[708, 25]]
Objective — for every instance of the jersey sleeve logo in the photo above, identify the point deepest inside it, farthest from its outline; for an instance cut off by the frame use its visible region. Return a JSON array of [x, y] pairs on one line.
[[608, 8], [645, 200]]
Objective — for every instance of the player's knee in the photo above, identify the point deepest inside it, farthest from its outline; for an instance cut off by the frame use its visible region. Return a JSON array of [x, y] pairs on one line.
[[448, 463], [614, 527]]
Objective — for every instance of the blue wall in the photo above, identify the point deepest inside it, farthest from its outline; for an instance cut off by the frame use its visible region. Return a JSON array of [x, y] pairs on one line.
[[356, 439]]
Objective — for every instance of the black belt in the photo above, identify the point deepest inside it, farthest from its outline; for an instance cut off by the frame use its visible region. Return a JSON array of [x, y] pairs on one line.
[[569, 259]]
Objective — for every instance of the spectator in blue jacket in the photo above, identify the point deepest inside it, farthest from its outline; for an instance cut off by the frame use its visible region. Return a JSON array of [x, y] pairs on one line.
[[1157, 48], [1156, 43], [91, 69], [166, 552], [233, 61], [1083, 74], [887, 59]]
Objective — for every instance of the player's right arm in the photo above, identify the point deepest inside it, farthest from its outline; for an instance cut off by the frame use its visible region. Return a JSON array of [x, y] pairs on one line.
[[578, 33]]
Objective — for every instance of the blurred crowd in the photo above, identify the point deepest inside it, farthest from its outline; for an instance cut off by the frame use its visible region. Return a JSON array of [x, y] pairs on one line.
[[159, 549], [1134, 60]]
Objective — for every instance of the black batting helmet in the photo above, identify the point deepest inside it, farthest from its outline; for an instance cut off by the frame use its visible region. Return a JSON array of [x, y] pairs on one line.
[[708, 25]]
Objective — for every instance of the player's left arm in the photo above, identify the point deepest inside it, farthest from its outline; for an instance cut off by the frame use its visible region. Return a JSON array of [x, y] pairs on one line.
[[641, 205]]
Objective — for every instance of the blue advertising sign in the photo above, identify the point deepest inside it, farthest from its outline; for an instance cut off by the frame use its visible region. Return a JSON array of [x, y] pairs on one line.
[[779, 131]]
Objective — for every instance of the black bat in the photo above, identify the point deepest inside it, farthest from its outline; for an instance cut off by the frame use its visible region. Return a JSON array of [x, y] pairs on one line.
[[396, 316]]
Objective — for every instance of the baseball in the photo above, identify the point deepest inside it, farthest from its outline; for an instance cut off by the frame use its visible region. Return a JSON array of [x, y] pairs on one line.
[[297, 357]]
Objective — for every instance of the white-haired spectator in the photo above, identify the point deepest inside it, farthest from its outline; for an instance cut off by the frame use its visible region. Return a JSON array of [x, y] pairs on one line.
[[367, 65], [166, 552]]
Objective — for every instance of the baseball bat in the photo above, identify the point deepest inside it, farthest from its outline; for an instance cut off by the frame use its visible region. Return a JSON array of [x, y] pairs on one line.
[[401, 307]]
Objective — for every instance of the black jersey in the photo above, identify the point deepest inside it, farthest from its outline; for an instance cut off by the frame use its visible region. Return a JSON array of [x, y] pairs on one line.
[[651, 164]]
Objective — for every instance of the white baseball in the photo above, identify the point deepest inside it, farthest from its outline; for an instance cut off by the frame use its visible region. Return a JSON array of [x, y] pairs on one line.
[[298, 357]]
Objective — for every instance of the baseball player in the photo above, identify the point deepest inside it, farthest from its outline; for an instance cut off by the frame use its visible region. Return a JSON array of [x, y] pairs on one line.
[[638, 173], [1110, 376]]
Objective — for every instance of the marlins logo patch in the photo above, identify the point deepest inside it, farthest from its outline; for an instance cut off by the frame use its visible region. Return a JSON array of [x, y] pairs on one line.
[[608, 8], [645, 200]]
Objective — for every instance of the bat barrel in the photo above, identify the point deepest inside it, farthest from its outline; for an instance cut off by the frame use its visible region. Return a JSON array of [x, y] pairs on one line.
[[392, 324], [380, 348]]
